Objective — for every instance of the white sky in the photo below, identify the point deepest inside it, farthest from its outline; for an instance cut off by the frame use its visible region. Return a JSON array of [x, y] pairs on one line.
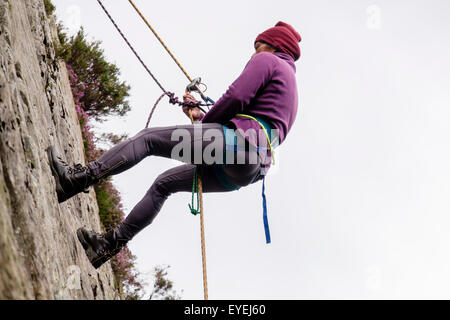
[[359, 205]]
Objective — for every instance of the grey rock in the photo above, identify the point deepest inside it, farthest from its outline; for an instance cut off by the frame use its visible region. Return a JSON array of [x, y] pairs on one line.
[[40, 256]]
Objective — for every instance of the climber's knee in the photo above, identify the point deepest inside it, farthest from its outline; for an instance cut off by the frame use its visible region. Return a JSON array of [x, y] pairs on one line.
[[161, 186]]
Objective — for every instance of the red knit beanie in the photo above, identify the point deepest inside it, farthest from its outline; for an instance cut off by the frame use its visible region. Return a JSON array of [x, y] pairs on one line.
[[282, 37]]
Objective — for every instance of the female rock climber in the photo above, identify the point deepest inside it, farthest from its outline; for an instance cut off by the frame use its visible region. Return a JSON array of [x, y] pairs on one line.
[[266, 91]]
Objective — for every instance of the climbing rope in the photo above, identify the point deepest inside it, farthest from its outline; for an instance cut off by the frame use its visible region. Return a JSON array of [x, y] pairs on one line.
[[194, 83], [172, 99], [202, 232], [175, 101], [198, 187], [160, 40], [131, 47]]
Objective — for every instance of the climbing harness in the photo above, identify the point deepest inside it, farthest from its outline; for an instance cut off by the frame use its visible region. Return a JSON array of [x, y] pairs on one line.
[[232, 144], [265, 126], [266, 132]]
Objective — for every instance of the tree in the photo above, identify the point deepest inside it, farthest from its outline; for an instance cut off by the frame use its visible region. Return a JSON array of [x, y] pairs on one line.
[[49, 7], [163, 287], [104, 93]]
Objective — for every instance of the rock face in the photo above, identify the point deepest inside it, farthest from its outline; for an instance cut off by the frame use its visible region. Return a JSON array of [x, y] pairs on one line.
[[40, 256]]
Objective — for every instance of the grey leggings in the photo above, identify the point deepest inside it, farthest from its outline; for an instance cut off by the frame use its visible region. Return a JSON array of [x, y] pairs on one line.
[[157, 142]]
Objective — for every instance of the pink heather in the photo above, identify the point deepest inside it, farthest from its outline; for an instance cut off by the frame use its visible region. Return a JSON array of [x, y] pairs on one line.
[[123, 262]]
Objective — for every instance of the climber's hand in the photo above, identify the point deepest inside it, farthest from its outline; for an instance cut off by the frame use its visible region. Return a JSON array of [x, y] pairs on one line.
[[195, 112]]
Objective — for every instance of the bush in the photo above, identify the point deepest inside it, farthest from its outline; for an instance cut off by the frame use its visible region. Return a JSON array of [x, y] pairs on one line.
[[163, 287], [104, 94], [49, 7], [111, 215], [97, 94], [108, 198]]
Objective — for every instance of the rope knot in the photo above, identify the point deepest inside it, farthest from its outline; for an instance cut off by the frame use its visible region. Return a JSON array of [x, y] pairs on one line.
[[176, 101], [172, 98], [195, 190], [193, 210]]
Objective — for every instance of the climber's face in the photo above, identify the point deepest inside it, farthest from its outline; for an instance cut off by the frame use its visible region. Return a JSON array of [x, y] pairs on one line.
[[263, 47]]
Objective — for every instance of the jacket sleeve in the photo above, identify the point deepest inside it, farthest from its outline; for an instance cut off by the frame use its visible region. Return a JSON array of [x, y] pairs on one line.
[[257, 73]]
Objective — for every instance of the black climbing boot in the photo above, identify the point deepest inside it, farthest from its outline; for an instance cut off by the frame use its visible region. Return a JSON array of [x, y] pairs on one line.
[[100, 248], [69, 181]]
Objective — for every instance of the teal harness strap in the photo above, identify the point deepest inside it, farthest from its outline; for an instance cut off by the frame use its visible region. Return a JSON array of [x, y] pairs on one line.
[[266, 128], [223, 179]]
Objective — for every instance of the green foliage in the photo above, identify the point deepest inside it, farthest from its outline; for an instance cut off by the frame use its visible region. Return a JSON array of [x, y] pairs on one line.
[[110, 208], [163, 287], [111, 139], [62, 36], [98, 93], [108, 198], [123, 265], [105, 94], [49, 7]]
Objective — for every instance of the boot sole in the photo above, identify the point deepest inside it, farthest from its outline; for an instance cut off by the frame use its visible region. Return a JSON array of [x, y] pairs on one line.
[[59, 189], [91, 255], [61, 193], [81, 238]]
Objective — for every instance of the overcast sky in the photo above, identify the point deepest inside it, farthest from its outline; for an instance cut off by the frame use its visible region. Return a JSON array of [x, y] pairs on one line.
[[359, 203]]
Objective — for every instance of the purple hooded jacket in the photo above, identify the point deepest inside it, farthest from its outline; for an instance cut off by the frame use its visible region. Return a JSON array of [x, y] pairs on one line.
[[267, 88]]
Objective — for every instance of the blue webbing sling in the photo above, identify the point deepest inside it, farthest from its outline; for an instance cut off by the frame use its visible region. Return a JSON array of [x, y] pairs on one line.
[[231, 144]]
